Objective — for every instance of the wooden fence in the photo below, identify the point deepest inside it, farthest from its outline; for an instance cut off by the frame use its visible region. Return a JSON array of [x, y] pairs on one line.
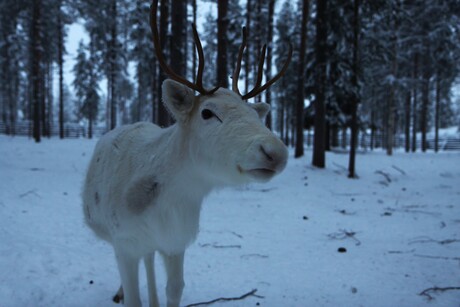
[[73, 130]]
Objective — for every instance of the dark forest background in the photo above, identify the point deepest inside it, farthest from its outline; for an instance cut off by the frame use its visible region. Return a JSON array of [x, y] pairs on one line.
[[384, 69]]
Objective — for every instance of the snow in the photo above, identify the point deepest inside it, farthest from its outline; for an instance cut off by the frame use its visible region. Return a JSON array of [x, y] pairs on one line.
[[399, 223]]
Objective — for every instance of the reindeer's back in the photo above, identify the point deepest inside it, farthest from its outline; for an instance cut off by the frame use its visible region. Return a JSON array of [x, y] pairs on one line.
[[117, 156]]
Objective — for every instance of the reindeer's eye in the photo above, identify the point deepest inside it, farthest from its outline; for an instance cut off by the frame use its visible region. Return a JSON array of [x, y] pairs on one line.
[[207, 114]]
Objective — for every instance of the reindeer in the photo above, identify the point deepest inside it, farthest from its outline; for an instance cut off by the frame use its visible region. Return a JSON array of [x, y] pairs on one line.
[[145, 185]]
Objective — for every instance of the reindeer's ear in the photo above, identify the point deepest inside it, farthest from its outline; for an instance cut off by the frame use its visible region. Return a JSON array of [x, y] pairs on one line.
[[178, 98], [261, 108]]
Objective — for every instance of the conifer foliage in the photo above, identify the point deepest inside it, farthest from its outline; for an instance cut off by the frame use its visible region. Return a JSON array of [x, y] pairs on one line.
[[382, 70]]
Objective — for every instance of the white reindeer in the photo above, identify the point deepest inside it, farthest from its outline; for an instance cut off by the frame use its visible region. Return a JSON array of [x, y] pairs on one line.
[[145, 185]]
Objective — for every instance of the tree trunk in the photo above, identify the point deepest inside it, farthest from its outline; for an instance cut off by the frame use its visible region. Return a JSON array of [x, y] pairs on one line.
[[222, 25], [436, 115], [247, 66], [407, 122], [414, 105], [319, 146], [140, 93], [43, 84], [392, 95], [113, 66], [179, 36], [61, 71], [49, 99], [299, 150], [258, 40], [328, 136], [343, 140], [425, 103], [372, 129], [354, 102], [194, 57], [90, 122], [36, 74], [268, 69], [154, 93], [163, 115]]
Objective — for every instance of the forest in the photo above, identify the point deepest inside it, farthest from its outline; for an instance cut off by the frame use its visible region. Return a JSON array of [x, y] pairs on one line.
[[380, 69], [376, 81]]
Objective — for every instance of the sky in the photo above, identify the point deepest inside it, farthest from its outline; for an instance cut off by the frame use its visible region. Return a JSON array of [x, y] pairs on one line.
[[78, 33]]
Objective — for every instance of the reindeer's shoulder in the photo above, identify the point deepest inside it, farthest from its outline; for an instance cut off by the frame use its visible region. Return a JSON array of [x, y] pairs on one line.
[[129, 135]]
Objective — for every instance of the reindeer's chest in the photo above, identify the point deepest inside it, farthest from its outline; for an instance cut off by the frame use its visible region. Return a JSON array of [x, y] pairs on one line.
[[169, 224]]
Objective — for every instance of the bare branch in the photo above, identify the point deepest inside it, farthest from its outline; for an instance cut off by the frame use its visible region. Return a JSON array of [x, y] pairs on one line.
[[427, 294], [226, 299]]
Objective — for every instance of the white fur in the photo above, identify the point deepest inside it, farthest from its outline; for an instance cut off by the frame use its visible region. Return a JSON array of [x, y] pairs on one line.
[[145, 185]]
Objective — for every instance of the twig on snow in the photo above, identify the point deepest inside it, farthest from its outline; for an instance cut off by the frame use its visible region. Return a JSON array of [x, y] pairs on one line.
[[386, 175], [340, 166], [343, 234], [429, 240], [436, 289], [33, 192], [248, 256], [226, 299], [437, 257], [398, 169], [215, 245]]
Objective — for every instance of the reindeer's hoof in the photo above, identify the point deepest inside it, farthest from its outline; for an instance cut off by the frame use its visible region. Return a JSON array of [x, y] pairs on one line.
[[118, 298]]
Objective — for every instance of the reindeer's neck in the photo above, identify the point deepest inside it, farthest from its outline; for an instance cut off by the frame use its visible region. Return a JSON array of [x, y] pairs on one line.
[[177, 170]]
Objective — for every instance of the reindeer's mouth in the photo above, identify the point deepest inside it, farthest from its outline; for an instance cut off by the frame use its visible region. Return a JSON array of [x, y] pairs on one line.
[[261, 173]]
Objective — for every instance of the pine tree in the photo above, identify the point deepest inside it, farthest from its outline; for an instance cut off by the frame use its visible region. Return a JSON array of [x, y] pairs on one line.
[[222, 39], [36, 70], [210, 45], [319, 145], [300, 82], [86, 86], [286, 87], [142, 53], [11, 62]]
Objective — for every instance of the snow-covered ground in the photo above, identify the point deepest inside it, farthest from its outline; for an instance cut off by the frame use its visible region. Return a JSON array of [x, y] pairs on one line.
[[399, 223]]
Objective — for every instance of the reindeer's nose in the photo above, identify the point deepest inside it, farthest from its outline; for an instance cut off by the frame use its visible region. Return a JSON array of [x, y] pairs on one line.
[[267, 154], [275, 154]]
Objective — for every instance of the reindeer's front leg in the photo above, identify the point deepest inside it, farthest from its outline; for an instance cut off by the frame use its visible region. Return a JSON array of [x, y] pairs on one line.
[[150, 270], [175, 271], [128, 266]]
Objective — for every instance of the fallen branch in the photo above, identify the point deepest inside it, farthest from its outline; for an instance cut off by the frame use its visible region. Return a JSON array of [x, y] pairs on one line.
[[399, 170], [340, 166], [436, 289], [386, 175], [429, 240], [31, 192], [437, 257], [248, 256], [343, 234], [226, 299], [215, 245]]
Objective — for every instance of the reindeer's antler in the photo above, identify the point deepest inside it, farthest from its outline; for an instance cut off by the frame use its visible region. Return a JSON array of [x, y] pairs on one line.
[[198, 86], [257, 88]]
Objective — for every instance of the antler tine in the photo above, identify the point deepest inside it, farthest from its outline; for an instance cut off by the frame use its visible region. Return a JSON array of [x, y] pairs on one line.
[[199, 74], [236, 72], [283, 70], [199, 49], [162, 61], [260, 70]]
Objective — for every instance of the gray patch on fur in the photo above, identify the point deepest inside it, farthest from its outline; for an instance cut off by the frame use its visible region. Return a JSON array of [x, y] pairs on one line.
[[142, 194], [96, 198]]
